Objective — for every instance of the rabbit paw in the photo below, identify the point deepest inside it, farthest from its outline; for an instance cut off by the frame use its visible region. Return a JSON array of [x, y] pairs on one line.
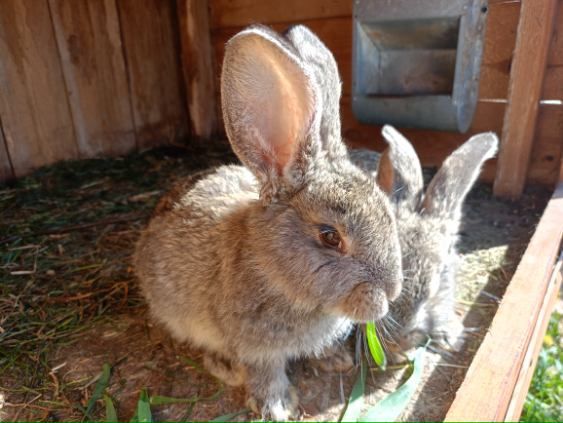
[[229, 372], [335, 360], [276, 408]]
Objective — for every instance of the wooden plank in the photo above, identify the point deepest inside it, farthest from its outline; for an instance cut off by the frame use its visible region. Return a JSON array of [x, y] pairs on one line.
[[500, 39], [553, 83], [336, 33], [34, 110], [431, 146], [536, 341], [555, 57], [487, 389], [151, 50], [198, 65], [546, 152], [6, 171], [528, 68], [92, 57], [237, 13]]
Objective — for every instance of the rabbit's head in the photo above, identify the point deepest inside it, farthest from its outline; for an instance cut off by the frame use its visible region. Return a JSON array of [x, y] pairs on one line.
[[428, 224], [327, 233]]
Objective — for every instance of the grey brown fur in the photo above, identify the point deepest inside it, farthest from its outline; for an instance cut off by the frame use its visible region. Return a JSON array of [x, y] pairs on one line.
[[428, 225], [235, 264]]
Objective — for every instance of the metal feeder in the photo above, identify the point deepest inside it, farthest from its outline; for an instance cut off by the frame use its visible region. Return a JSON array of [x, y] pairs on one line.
[[417, 62]]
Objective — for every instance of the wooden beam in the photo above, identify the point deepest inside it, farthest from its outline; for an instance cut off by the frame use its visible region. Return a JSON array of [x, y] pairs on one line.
[[487, 390], [197, 59], [531, 358], [92, 59], [533, 38], [36, 119], [153, 66], [6, 170]]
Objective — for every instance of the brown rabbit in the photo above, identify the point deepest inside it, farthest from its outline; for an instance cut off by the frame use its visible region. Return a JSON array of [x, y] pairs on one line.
[[428, 224], [276, 259]]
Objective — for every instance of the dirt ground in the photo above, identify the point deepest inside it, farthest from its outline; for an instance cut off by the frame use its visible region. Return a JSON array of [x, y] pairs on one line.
[[69, 302]]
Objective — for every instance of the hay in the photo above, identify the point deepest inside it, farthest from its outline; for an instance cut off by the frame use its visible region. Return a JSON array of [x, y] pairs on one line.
[[69, 304]]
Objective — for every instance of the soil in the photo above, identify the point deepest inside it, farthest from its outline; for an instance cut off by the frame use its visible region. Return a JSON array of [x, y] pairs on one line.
[[69, 301]]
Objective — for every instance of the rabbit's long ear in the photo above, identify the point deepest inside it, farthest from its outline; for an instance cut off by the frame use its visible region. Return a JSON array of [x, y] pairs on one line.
[[399, 172], [449, 187], [321, 62], [269, 102]]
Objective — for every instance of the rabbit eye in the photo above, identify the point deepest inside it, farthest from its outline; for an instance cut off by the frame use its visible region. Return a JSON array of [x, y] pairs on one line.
[[330, 237]]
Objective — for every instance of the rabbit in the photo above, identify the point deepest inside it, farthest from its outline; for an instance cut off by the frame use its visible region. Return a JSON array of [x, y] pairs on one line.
[[277, 258], [428, 224]]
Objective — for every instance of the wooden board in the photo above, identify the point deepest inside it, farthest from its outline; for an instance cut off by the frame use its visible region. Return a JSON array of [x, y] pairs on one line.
[[487, 389], [526, 81], [336, 33], [34, 110], [229, 13], [92, 59], [553, 83], [536, 341], [555, 57], [547, 149], [153, 66], [199, 67], [6, 171]]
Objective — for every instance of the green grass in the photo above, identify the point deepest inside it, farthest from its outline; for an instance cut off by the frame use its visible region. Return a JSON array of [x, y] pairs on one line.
[[545, 398]]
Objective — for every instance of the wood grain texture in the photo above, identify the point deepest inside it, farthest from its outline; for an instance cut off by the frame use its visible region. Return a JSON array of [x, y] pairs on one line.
[[198, 66], [487, 389], [336, 33], [153, 65], [555, 56], [34, 110], [545, 157], [536, 341], [6, 171], [526, 79], [229, 13], [89, 42], [553, 83]]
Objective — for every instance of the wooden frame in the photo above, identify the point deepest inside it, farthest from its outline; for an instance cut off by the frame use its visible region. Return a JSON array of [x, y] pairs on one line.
[[535, 29], [496, 383]]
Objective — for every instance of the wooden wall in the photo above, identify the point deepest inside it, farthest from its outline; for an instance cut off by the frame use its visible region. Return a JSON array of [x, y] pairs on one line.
[[332, 22], [80, 78], [86, 78]]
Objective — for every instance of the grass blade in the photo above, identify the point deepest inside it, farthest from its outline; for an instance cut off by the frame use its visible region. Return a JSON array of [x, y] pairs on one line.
[[356, 400], [391, 407], [375, 347], [143, 408], [111, 414], [230, 416], [99, 389]]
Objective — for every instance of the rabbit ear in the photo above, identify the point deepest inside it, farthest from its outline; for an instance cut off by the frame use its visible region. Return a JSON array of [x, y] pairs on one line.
[[399, 172], [458, 173], [321, 62], [269, 102]]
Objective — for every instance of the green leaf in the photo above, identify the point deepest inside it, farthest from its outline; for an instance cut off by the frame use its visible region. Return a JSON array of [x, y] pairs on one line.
[[111, 414], [230, 416], [162, 400], [375, 347], [391, 407], [101, 385], [143, 408], [356, 400]]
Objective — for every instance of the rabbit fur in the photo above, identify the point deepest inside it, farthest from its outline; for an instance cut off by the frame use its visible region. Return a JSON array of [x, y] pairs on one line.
[[428, 224], [235, 264]]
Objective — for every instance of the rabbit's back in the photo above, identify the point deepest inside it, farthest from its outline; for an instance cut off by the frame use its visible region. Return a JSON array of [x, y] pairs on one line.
[[178, 256]]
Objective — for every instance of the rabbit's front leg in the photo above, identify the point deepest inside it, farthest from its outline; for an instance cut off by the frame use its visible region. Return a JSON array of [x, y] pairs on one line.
[[271, 394]]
